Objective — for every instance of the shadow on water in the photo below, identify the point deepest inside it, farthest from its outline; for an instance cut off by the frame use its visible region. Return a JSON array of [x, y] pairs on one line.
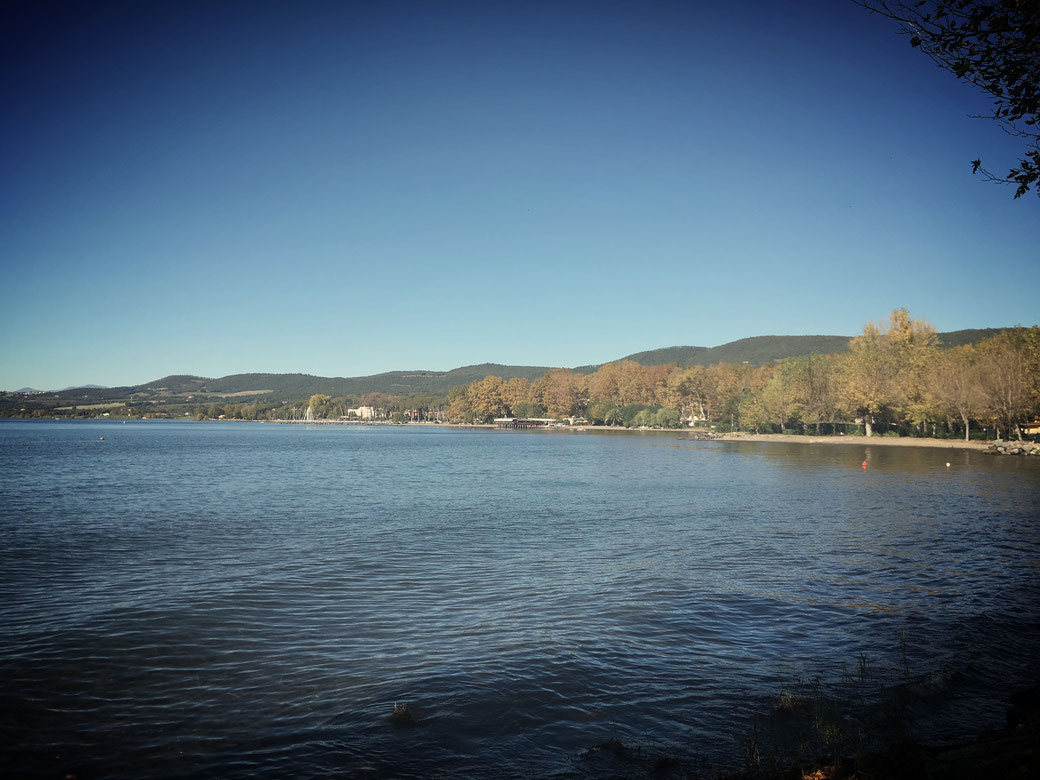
[[866, 723]]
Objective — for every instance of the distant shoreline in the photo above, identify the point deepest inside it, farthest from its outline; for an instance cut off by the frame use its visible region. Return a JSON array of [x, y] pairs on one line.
[[784, 438], [694, 433], [871, 441]]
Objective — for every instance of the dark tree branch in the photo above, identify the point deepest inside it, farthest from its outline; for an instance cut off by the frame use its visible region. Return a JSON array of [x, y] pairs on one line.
[[994, 45]]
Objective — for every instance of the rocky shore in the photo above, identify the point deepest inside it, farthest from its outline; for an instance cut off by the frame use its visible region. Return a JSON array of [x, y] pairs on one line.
[[1013, 448]]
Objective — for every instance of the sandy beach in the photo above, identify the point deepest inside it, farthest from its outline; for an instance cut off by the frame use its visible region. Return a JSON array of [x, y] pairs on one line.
[[862, 441]]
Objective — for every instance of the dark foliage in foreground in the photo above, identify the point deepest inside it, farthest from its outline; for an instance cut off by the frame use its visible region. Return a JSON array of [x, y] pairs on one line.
[[994, 45]]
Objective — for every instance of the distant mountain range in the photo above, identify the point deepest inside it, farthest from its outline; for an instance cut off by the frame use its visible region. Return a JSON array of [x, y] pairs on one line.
[[756, 351], [77, 387]]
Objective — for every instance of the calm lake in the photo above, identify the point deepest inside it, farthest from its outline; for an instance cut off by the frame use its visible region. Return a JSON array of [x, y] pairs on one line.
[[245, 600]]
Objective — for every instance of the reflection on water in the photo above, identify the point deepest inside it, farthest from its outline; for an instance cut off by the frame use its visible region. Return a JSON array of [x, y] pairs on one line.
[[233, 600]]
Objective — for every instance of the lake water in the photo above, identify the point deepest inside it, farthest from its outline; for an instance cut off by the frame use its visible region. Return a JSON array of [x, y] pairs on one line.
[[244, 600]]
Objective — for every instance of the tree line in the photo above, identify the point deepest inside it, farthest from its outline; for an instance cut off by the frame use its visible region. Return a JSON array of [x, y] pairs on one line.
[[895, 378], [415, 407]]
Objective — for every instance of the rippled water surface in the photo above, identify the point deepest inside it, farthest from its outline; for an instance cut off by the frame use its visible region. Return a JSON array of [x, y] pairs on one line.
[[240, 600]]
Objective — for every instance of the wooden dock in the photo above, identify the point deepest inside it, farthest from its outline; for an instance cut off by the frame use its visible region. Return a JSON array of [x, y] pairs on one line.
[[524, 422]]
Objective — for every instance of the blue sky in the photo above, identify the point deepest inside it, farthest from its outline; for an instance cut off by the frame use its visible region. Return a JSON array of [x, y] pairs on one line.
[[343, 189]]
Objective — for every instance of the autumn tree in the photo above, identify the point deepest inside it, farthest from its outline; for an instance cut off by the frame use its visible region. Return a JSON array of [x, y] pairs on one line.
[[912, 344], [699, 381], [633, 384], [723, 385], [604, 382], [656, 379], [458, 409], [680, 392], [1008, 376], [885, 368], [894, 372], [994, 45], [811, 382], [486, 399], [868, 377], [562, 392], [626, 382], [751, 412], [1029, 348], [777, 399], [516, 393], [757, 378], [956, 387]]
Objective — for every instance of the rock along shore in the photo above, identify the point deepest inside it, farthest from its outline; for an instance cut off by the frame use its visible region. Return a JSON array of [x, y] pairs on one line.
[[1013, 448]]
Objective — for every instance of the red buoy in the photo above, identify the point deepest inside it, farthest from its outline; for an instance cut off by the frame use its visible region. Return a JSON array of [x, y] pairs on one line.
[[864, 464]]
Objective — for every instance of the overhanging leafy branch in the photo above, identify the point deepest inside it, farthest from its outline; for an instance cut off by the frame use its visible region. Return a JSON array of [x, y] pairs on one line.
[[994, 45]]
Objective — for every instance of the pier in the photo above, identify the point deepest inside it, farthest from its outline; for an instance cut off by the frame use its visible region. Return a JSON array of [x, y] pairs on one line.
[[524, 422]]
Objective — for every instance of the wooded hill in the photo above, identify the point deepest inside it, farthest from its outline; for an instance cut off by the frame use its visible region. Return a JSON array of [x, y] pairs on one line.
[[759, 350], [756, 351]]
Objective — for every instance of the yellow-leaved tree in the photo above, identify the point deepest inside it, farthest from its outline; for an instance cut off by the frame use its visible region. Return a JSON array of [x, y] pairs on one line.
[[885, 372], [562, 392], [486, 398], [1009, 377], [956, 387]]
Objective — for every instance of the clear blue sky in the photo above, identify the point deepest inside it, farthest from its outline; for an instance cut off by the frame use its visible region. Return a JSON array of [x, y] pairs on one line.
[[343, 188]]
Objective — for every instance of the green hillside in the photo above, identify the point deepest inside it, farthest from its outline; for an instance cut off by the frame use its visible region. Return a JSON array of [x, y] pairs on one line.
[[958, 338], [756, 351], [467, 374], [759, 350], [281, 387], [763, 349]]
